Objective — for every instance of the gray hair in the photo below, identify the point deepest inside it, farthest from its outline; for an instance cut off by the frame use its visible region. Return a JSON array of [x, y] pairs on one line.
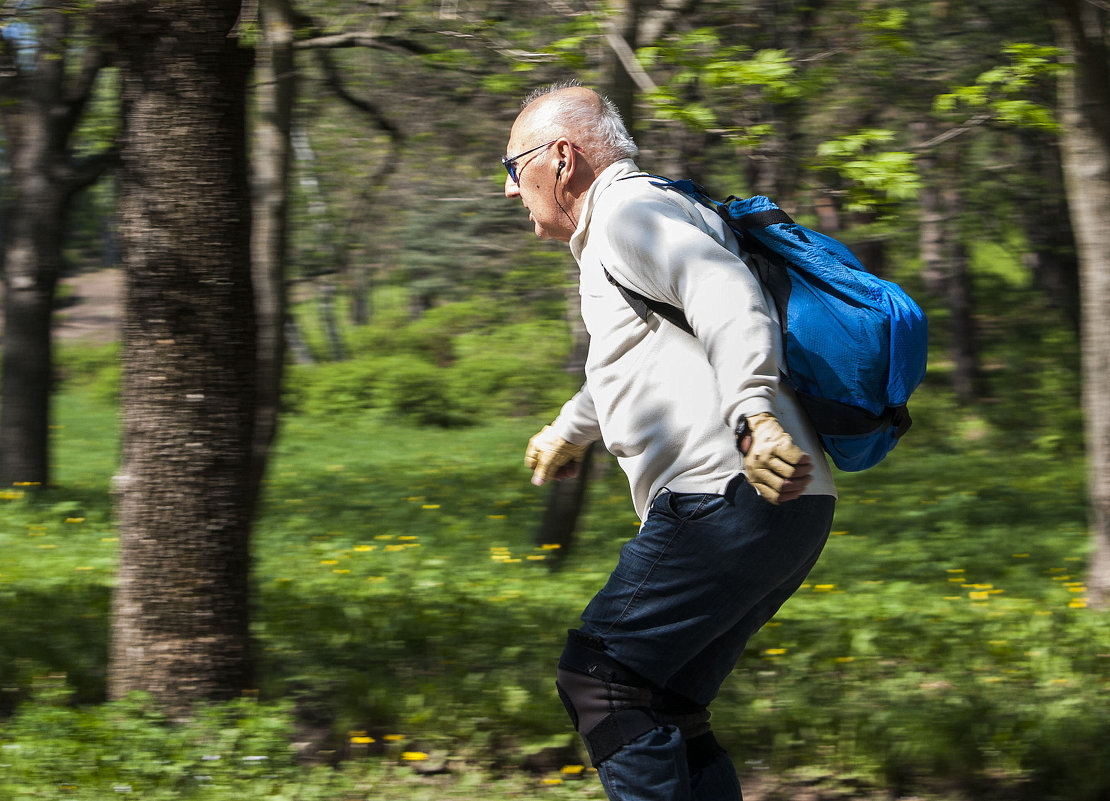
[[597, 127]]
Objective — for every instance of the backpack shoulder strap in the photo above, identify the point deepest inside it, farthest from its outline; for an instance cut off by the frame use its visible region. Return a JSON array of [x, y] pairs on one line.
[[644, 306]]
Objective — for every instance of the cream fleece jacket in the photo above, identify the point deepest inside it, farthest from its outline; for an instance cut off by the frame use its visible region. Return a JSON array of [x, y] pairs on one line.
[[665, 403]]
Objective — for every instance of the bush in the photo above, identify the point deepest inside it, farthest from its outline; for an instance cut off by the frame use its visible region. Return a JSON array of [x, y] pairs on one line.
[[515, 371]]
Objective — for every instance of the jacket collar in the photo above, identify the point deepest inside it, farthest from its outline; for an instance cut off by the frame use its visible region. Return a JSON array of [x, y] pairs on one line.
[[614, 172]]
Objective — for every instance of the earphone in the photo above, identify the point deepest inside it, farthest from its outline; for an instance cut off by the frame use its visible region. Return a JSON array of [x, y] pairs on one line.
[[559, 169]]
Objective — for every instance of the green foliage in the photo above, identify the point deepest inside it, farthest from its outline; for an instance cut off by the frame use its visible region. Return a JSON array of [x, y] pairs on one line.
[[877, 177], [97, 368], [941, 642], [704, 62], [1009, 93], [457, 364]]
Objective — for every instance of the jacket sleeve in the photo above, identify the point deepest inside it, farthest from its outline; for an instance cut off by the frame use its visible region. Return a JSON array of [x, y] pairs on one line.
[[577, 420], [663, 248]]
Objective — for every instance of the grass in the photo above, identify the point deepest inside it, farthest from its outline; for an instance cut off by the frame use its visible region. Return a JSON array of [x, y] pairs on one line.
[[407, 626]]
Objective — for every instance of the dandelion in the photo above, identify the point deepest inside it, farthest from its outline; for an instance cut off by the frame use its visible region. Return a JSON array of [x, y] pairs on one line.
[[550, 546], [329, 561], [394, 738], [572, 770], [364, 548], [496, 517], [414, 756], [824, 587], [775, 651], [430, 506], [553, 781], [75, 520]]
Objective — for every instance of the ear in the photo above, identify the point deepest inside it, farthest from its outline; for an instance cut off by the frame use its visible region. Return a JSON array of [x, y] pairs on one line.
[[565, 151]]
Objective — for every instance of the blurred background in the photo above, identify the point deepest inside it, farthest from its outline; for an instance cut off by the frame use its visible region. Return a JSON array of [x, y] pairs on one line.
[[274, 340]]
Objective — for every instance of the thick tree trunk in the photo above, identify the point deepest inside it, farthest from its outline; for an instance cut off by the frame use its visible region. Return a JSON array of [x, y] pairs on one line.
[[276, 81], [180, 615], [1085, 116]]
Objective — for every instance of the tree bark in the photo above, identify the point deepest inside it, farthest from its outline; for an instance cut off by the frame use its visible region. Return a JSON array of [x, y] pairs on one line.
[[180, 619], [1085, 118], [41, 111]]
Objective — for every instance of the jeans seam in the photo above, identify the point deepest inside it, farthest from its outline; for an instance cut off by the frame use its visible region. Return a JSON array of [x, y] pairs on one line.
[[678, 529]]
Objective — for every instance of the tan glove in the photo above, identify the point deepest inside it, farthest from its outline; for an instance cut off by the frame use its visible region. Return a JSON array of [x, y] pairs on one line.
[[777, 468], [550, 456]]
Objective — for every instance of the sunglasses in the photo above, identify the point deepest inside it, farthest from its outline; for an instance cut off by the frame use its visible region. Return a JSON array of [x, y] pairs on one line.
[[510, 161]]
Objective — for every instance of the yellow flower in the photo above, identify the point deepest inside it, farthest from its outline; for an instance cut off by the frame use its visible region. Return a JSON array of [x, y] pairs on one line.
[[775, 651], [573, 770], [414, 756]]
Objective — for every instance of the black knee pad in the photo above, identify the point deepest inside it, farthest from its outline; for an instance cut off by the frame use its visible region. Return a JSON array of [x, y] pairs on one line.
[[702, 751], [691, 718], [609, 704]]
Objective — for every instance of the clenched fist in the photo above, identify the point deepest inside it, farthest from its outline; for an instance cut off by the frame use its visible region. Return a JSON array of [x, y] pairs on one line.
[[776, 467], [550, 456]]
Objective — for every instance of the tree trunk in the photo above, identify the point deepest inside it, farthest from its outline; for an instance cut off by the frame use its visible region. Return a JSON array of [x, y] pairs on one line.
[[276, 81], [620, 86], [565, 502], [40, 107], [1085, 118], [180, 620], [1047, 222]]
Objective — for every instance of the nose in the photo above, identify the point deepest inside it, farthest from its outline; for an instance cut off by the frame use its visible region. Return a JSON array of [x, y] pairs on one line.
[[511, 189]]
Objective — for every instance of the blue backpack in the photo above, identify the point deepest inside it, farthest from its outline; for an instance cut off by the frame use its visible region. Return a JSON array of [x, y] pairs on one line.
[[856, 345]]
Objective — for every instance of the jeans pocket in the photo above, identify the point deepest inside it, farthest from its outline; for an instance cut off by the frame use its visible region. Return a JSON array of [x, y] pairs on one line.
[[687, 506]]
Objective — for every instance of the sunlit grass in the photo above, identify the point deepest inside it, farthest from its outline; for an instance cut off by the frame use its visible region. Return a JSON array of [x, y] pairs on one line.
[[406, 613]]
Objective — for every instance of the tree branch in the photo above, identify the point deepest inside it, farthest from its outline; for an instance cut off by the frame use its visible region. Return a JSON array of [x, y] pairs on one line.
[[952, 133], [628, 59], [77, 98], [87, 171], [361, 39], [333, 80]]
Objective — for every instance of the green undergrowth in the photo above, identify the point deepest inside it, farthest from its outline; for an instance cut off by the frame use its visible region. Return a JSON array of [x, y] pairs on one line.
[[407, 623]]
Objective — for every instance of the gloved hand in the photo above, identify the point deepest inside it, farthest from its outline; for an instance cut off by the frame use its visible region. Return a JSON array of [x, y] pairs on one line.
[[777, 468], [550, 456]]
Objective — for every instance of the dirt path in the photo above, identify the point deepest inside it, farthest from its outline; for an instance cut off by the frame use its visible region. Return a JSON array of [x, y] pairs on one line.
[[91, 312]]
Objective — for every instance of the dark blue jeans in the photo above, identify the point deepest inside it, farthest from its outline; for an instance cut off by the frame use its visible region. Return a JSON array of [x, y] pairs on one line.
[[702, 576]]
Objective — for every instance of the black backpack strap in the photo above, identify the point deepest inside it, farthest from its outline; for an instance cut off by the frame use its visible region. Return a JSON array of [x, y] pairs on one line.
[[644, 306]]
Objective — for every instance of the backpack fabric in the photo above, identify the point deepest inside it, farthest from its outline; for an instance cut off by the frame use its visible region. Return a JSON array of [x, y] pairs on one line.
[[855, 344]]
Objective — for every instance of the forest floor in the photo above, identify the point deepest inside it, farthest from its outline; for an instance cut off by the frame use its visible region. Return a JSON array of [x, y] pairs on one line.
[[89, 308]]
